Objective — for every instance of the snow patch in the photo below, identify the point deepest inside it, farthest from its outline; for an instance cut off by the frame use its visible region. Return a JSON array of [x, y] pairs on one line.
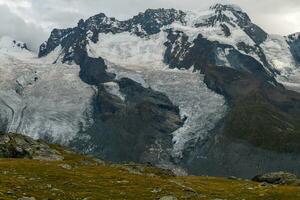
[[130, 50], [113, 89]]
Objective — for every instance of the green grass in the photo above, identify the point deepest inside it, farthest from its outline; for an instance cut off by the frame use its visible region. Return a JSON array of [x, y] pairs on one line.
[[93, 180]]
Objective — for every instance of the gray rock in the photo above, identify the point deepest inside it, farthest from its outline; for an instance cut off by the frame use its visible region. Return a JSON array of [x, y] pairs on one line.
[[277, 178], [11, 192], [156, 190], [168, 198], [26, 198], [66, 166], [20, 146]]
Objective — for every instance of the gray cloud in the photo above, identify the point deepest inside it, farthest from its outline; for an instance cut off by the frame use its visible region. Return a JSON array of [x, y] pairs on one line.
[[29, 20], [16, 27]]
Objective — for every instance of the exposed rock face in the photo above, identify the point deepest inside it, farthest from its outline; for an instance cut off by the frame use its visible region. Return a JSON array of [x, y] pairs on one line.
[[92, 70], [241, 19], [133, 124], [202, 52], [294, 42], [147, 23], [19, 146], [261, 108], [277, 178]]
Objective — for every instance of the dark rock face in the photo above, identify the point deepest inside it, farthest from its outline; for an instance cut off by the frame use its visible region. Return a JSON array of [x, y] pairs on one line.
[[147, 23], [221, 155], [136, 128], [294, 42], [259, 52], [20, 45], [242, 20], [261, 109], [154, 19], [54, 40], [92, 70], [19, 146], [204, 53]]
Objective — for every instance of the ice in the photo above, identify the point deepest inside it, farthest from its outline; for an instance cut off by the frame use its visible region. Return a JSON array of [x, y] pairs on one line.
[[54, 102], [129, 49], [292, 81], [278, 54]]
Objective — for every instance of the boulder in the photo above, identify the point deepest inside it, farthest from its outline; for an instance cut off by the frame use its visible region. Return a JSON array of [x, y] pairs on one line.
[[277, 178], [19, 146]]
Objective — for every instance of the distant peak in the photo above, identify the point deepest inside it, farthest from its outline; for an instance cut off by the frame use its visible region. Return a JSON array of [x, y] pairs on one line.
[[222, 7], [7, 42], [294, 36]]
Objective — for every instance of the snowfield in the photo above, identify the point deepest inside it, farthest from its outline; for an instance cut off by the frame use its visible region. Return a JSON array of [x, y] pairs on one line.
[[278, 54]]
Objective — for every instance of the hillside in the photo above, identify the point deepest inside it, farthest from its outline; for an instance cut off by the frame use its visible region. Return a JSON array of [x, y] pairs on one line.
[[84, 177]]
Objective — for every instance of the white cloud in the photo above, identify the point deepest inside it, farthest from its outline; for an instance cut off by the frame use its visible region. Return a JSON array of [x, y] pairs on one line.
[[26, 16]]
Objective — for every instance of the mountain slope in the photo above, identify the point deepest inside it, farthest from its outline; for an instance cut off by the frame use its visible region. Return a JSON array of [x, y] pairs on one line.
[[176, 89]]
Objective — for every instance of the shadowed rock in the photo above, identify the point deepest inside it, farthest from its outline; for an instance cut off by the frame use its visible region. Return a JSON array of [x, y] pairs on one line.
[[19, 146]]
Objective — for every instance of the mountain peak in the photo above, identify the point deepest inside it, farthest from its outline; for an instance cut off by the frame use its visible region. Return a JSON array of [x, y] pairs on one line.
[[222, 7], [294, 36]]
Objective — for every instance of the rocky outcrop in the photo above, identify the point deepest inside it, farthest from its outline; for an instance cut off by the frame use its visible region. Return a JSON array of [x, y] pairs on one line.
[[261, 108], [203, 52], [19, 146], [294, 42], [133, 123], [241, 19], [282, 178]]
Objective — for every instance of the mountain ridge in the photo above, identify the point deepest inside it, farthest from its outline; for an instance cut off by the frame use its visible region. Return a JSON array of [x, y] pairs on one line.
[[200, 79]]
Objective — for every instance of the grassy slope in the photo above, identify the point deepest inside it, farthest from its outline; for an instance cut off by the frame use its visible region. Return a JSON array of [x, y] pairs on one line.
[[92, 180]]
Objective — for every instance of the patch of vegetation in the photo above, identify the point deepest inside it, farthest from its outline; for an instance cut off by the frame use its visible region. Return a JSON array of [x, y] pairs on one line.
[[81, 177]]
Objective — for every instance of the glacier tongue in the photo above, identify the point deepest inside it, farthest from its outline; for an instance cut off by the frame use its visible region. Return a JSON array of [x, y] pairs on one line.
[[43, 100], [278, 54], [201, 107], [141, 59]]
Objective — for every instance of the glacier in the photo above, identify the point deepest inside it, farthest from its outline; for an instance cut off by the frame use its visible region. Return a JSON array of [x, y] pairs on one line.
[[41, 99], [141, 59]]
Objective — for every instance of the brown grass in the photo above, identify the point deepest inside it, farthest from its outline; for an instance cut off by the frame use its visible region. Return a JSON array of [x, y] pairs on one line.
[[92, 180]]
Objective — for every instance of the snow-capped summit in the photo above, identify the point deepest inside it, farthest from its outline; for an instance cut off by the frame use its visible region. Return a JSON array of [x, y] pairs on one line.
[[294, 36], [219, 7]]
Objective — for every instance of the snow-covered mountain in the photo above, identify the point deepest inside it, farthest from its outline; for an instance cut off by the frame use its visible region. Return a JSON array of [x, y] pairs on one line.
[[179, 89]]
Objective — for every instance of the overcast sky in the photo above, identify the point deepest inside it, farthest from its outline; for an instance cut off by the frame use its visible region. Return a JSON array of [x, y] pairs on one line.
[[32, 20]]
